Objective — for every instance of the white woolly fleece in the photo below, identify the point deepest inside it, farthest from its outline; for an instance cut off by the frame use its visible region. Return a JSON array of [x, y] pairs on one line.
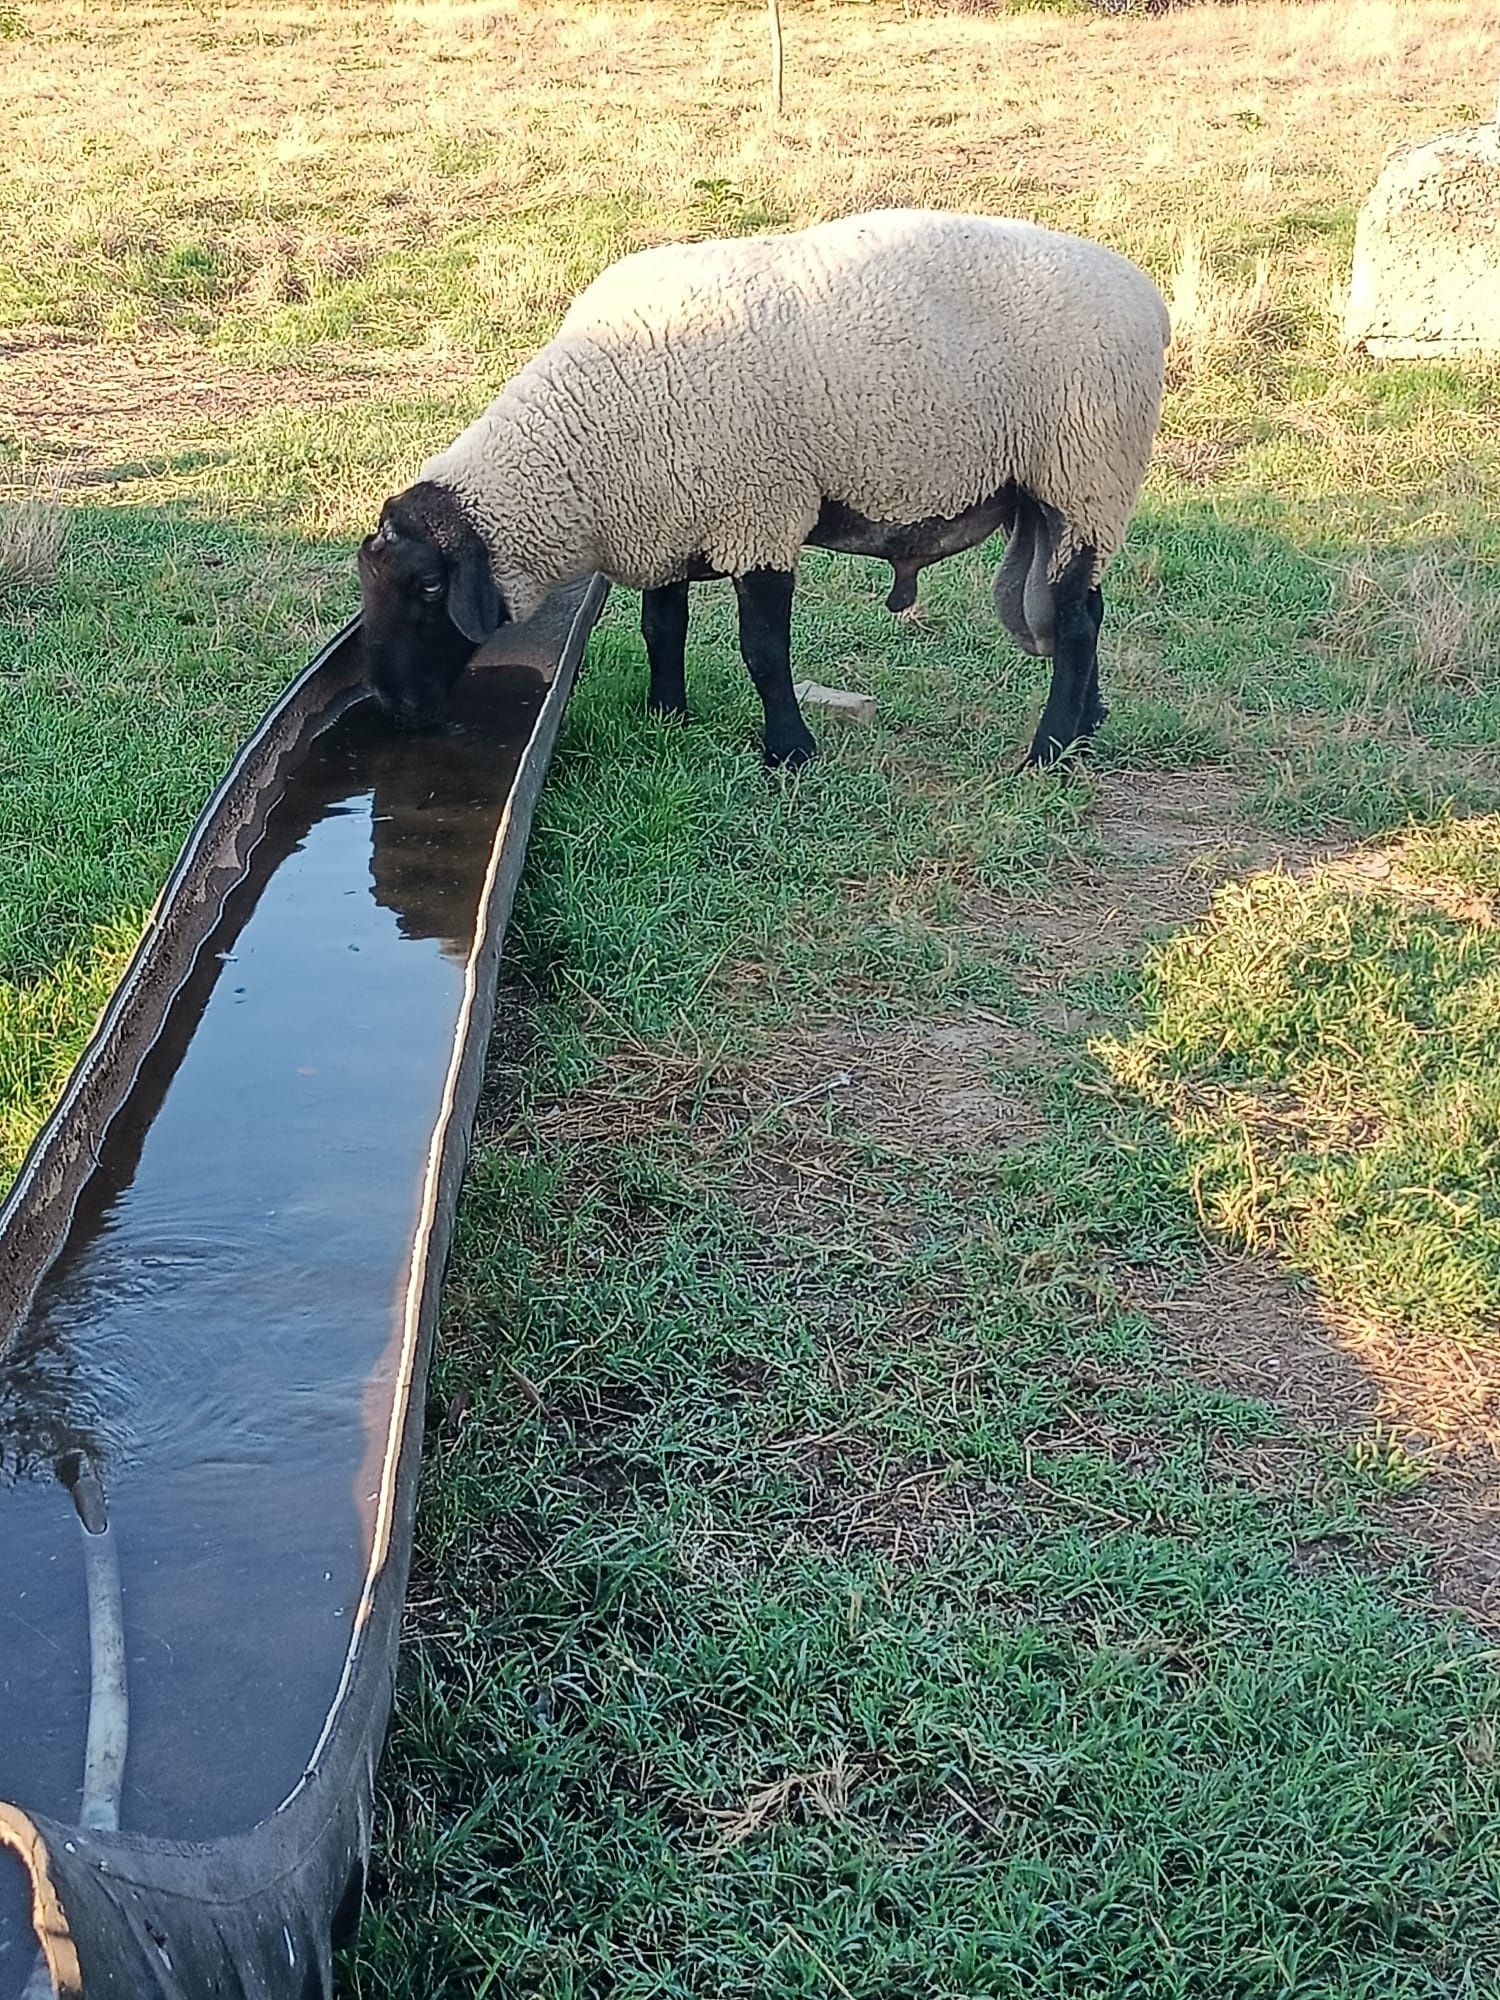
[[701, 401]]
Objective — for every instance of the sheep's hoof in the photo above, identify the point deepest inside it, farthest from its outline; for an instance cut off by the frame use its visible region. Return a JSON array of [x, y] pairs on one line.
[[790, 756], [667, 711], [1056, 763], [1050, 755]]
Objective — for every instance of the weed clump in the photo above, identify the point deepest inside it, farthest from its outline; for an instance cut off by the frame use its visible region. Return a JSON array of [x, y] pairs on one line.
[[1216, 321], [33, 535]]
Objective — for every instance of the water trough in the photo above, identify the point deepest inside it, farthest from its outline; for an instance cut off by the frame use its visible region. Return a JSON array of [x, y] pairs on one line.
[[219, 1272]]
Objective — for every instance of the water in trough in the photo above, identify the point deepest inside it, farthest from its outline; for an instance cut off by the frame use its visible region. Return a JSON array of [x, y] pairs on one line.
[[220, 1336]]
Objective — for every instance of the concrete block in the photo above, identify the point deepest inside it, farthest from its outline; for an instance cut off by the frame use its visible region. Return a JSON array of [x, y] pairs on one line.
[[1426, 279], [837, 701]]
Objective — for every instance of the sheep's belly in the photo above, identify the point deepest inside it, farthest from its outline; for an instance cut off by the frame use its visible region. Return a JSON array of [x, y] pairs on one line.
[[909, 546]]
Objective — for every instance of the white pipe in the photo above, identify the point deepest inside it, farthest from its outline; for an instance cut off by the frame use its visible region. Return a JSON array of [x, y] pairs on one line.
[[109, 1700]]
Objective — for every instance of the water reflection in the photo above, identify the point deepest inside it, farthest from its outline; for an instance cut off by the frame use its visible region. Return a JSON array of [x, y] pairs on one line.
[[430, 809]]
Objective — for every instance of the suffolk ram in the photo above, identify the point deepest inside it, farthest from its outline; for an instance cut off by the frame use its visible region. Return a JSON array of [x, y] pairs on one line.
[[898, 385]]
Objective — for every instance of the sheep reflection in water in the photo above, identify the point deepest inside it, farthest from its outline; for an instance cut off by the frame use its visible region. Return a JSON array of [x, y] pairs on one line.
[[434, 801]]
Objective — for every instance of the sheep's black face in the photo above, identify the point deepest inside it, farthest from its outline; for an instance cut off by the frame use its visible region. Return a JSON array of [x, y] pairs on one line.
[[414, 653], [429, 600]]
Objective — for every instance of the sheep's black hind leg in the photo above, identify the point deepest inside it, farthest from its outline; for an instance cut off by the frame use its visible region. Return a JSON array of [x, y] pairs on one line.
[[1073, 708], [664, 624], [1095, 708], [765, 599]]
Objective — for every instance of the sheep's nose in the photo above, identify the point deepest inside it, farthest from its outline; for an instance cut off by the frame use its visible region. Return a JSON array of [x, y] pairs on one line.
[[401, 708], [417, 715]]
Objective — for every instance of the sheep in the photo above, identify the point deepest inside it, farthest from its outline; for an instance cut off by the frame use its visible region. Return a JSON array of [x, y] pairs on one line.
[[899, 385]]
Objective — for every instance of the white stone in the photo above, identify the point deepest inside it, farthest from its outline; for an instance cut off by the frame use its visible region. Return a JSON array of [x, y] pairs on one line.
[[841, 701], [1426, 278]]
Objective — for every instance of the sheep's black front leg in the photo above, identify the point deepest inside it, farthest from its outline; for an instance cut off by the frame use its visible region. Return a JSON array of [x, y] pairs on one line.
[[664, 624], [765, 599], [1073, 708]]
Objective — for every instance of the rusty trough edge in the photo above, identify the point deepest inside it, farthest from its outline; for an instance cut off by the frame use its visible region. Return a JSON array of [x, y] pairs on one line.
[[255, 1916]]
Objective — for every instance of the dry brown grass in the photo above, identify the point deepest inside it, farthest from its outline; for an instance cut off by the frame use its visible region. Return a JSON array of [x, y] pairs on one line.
[[1214, 318], [98, 409], [307, 146], [310, 154], [922, 1090], [823, 1793], [1434, 607]]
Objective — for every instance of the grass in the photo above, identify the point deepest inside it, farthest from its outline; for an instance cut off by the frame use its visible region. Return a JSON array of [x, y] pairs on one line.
[[889, 1525], [834, 1585], [1324, 1051]]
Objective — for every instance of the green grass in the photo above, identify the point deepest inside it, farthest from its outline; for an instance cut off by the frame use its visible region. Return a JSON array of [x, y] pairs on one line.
[[837, 1589], [1329, 1060], [686, 1719], [848, 1595], [835, 1577], [129, 681]]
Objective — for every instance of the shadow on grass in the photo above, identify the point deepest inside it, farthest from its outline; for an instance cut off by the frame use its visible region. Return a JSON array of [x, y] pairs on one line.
[[1305, 661]]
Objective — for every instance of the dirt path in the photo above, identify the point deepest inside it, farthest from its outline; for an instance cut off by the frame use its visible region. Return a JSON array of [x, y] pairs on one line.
[[89, 414]]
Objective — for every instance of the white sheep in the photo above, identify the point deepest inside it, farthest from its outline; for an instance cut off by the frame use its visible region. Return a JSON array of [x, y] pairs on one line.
[[897, 385]]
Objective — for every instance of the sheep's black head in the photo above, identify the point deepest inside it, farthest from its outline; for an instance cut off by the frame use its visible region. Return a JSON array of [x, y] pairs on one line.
[[429, 600]]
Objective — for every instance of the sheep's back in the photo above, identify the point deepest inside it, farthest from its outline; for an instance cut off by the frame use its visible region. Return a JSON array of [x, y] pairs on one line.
[[905, 363]]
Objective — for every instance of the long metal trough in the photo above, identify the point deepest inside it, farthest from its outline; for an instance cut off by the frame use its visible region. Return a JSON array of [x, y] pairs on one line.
[[219, 1274]]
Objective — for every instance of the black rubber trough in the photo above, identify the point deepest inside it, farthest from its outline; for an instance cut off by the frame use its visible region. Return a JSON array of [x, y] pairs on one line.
[[219, 1274]]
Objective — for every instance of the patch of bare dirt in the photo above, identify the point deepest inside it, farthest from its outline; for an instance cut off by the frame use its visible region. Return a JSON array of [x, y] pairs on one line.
[[905, 1510], [1199, 460], [1166, 841], [93, 411], [1328, 1371], [1383, 871], [781, 1129], [928, 1089], [934, 1088], [1245, 1329]]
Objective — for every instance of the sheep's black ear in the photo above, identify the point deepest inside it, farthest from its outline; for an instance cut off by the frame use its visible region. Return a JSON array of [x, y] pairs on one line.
[[473, 600]]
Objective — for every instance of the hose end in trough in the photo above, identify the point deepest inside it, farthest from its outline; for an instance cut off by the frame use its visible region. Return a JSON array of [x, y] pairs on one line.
[[82, 1482]]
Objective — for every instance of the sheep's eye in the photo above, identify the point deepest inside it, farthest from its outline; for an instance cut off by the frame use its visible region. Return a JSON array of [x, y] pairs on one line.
[[433, 589]]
